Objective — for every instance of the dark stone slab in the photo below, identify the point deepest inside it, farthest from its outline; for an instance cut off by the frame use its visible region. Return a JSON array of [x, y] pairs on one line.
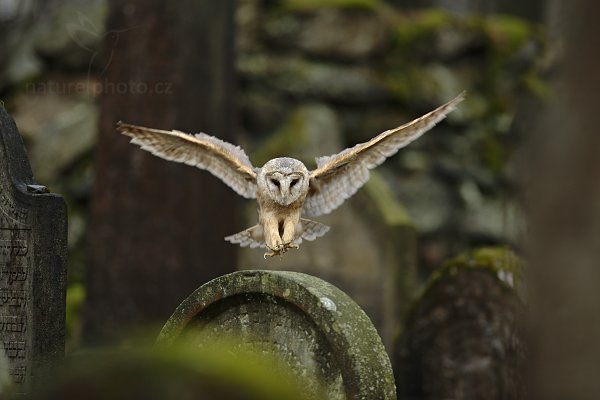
[[463, 339], [33, 240], [315, 328]]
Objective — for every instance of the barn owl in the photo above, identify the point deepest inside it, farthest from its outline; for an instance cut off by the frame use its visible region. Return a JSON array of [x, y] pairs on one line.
[[286, 191]]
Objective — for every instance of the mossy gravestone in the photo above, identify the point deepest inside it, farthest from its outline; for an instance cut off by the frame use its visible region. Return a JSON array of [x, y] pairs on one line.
[[315, 328], [463, 338], [33, 237]]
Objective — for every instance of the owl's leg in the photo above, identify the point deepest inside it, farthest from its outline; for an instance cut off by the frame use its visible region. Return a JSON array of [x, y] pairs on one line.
[[272, 238], [289, 232]]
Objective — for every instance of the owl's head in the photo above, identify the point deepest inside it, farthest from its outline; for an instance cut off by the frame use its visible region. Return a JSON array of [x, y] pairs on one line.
[[284, 179]]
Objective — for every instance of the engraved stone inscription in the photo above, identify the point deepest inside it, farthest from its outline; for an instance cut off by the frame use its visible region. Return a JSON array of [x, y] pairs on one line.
[[10, 210], [280, 329], [14, 349], [12, 297], [15, 286], [33, 247], [315, 330]]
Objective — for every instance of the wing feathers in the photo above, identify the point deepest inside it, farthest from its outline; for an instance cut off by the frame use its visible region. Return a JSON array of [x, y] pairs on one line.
[[251, 237], [339, 176], [222, 159], [312, 230], [388, 143]]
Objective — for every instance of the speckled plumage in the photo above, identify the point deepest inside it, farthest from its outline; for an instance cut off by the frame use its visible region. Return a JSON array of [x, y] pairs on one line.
[[284, 188]]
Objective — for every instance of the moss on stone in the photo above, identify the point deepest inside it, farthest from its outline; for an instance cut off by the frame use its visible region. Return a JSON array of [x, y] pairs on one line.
[[418, 26], [499, 261], [507, 33], [494, 153], [325, 326], [392, 212], [285, 141], [411, 83], [502, 38], [309, 131], [401, 82], [536, 85]]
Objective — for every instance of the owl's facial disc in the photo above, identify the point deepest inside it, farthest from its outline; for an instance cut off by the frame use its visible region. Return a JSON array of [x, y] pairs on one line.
[[286, 180], [285, 188]]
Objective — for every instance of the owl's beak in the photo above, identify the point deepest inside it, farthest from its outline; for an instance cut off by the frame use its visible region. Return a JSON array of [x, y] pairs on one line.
[[284, 189]]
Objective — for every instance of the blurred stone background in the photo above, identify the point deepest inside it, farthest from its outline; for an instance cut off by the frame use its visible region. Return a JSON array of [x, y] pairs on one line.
[[313, 77]]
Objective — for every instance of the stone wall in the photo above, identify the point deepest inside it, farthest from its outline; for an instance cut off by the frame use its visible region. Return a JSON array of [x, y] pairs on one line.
[[314, 76], [319, 76]]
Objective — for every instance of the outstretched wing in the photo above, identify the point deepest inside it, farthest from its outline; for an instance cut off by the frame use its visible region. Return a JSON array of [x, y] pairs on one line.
[[224, 160], [339, 176]]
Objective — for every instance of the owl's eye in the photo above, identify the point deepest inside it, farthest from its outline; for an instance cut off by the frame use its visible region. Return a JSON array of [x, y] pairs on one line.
[[294, 181], [275, 182]]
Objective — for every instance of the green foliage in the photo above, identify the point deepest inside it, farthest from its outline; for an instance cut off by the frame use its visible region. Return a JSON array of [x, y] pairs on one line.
[[75, 302], [213, 371], [311, 5]]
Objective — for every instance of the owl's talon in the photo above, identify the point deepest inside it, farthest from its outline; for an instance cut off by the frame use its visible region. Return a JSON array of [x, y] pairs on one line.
[[270, 254], [280, 249], [277, 246], [276, 250]]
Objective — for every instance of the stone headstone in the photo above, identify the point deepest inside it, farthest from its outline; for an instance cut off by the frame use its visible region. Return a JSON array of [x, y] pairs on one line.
[[315, 328], [463, 339], [33, 238]]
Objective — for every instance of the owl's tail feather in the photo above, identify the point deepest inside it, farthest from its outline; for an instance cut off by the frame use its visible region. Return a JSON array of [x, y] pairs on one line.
[[252, 237], [311, 230]]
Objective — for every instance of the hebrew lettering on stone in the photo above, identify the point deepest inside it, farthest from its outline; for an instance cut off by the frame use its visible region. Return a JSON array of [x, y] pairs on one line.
[[32, 265]]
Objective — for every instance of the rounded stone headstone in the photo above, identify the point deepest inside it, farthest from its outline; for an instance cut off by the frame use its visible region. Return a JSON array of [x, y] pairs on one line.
[[464, 338], [313, 327]]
